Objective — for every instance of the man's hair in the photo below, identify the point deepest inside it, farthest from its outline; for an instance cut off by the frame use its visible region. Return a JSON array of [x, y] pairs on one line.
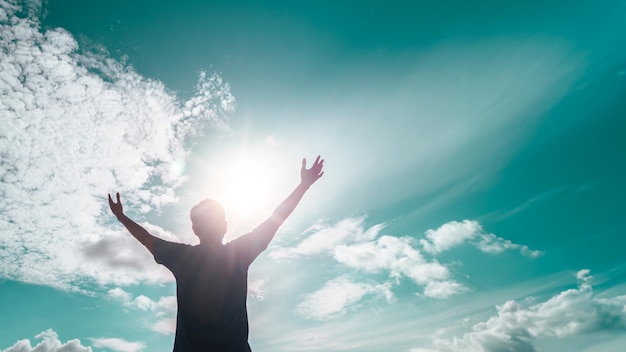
[[206, 212]]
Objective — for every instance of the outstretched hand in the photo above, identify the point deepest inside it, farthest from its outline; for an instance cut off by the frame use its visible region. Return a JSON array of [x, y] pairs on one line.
[[116, 208], [309, 176]]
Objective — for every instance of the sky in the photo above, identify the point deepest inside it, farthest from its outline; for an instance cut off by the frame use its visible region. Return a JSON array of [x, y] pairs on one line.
[[473, 195]]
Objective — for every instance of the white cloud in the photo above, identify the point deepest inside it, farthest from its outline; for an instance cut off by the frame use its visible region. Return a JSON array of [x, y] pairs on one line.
[[163, 305], [352, 245], [165, 308], [118, 345], [455, 233], [49, 343], [443, 289], [571, 312], [120, 295], [77, 125], [490, 243], [449, 235], [166, 326], [256, 289], [337, 297], [398, 257], [324, 237]]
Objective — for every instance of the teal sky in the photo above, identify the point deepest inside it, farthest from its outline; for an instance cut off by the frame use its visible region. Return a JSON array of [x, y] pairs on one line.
[[473, 196]]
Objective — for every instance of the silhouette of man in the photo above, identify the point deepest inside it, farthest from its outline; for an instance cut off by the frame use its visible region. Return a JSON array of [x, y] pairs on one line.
[[211, 278]]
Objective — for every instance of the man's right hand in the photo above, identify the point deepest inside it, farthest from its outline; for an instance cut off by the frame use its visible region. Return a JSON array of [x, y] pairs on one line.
[[116, 208]]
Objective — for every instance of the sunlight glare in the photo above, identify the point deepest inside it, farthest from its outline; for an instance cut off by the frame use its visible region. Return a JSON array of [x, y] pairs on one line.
[[246, 189]]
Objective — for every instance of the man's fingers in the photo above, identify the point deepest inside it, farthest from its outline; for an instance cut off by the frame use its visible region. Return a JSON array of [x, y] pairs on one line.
[[303, 163], [118, 197], [110, 199]]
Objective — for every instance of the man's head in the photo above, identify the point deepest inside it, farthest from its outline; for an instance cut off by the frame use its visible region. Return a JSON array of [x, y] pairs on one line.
[[208, 221]]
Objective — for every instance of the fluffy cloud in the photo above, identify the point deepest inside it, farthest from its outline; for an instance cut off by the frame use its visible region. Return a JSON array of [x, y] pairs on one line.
[[455, 233], [570, 312], [163, 305], [337, 297], [118, 345], [165, 308], [396, 256], [77, 125], [449, 235], [49, 343]]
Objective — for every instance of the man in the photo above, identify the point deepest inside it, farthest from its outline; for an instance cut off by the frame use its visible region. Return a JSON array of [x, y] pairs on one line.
[[211, 278]]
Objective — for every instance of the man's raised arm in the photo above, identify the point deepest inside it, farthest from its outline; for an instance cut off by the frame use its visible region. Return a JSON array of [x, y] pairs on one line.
[[268, 228], [135, 229]]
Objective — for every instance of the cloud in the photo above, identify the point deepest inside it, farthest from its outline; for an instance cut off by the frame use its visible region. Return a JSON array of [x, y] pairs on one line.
[[455, 233], [49, 343], [118, 345], [353, 245], [571, 312], [76, 125], [127, 259], [397, 257], [256, 289], [141, 302], [337, 297], [443, 289], [449, 235], [120, 295], [165, 308], [165, 326], [490, 243], [324, 237]]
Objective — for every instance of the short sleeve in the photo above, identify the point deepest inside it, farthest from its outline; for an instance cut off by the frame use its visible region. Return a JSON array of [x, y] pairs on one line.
[[250, 245], [168, 253]]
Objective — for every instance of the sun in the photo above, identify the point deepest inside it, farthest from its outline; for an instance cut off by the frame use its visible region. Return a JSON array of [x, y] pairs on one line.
[[246, 189]]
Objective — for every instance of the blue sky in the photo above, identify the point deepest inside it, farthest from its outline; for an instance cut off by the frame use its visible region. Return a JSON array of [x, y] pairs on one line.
[[473, 194]]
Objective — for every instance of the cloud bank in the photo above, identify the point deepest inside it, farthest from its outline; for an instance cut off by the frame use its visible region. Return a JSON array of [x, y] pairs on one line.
[[49, 343], [351, 244], [515, 326], [77, 125]]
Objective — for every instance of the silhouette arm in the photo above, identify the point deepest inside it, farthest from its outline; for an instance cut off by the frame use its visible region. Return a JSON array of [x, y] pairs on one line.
[[265, 232], [141, 234]]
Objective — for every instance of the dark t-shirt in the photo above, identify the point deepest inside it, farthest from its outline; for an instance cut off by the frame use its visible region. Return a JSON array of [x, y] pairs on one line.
[[211, 288]]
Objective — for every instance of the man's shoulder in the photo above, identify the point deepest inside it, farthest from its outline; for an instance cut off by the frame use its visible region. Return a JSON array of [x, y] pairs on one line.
[[162, 250], [172, 245]]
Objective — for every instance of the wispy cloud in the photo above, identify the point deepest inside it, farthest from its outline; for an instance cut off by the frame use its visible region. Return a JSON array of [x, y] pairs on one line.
[[324, 238], [516, 325], [49, 343], [534, 201], [338, 296], [165, 326], [354, 245], [77, 125], [118, 345]]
